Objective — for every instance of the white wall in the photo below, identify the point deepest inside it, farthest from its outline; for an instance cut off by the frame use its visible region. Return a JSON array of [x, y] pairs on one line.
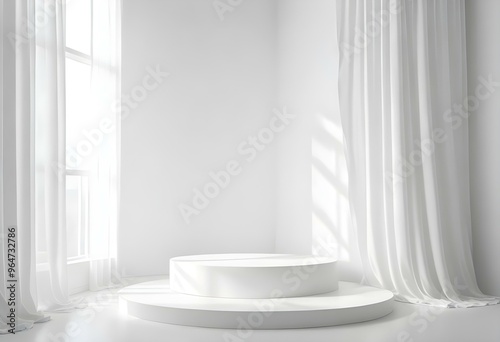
[[483, 57], [226, 77], [313, 208], [307, 64], [221, 89]]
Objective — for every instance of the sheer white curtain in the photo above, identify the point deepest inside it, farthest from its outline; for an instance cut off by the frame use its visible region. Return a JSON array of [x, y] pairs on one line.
[[105, 94], [49, 152], [16, 167], [33, 154], [402, 75]]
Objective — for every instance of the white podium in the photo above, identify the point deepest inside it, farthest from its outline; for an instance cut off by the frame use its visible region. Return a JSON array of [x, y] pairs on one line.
[[253, 275], [255, 291]]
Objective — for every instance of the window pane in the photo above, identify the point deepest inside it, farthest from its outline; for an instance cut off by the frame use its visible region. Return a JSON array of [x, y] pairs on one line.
[[78, 114], [76, 215], [78, 25]]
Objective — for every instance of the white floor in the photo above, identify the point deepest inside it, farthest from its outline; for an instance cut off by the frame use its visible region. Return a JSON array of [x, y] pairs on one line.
[[103, 321]]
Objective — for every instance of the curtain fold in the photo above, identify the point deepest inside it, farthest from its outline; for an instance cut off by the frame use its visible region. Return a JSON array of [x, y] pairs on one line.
[[105, 93], [402, 76], [16, 179], [49, 153], [33, 155], [101, 164]]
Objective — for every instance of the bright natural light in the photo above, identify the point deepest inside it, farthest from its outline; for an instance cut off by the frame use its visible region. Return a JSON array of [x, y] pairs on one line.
[[79, 25], [79, 116], [249, 170]]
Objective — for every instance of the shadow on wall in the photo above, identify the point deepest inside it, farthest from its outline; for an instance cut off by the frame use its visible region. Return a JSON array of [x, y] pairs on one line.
[[332, 231]]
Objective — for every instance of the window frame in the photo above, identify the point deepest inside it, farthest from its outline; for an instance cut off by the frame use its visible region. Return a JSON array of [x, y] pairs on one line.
[[84, 223]]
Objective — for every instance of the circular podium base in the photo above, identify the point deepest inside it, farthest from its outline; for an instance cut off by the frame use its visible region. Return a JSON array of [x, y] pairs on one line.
[[351, 303]]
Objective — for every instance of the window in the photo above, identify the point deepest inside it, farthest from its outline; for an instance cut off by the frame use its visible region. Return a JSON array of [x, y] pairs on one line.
[[77, 214], [78, 60]]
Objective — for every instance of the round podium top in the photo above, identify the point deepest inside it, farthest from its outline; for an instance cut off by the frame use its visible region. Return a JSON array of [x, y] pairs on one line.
[[254, 260]]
